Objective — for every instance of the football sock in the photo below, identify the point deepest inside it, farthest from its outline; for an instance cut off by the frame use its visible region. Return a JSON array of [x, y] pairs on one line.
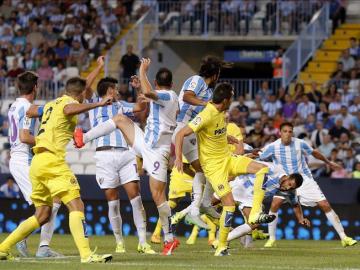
[[77, 226], [259, 193], [100, 130], [47, 229], [157, 230], [208, 192], [239, 231], [20, 233], [194, 233], [335, 221], [139, 217], [226, 218], [198, 182], [212, 227], [272, 226], [164, 216], [115, 219]]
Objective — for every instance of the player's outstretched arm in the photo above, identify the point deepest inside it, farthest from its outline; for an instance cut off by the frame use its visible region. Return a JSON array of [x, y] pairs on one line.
[[190, 97], [318, 155], [299, 215], [77, 108], [35, 111], [179, 139], [92, 76], [144, 81]]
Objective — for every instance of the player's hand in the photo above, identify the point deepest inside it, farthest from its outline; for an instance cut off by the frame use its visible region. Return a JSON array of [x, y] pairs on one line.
[[179, 165], [145, 63], [101, 61], [334, 166], [232, 139], [142, 99], [107, 100], [135, 82], [305, 222]]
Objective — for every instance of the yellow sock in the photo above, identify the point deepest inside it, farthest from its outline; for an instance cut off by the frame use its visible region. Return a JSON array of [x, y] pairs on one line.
[[259, 193], [227, 215], [157, 230], [20, 233], [78, 230], [194, 232], [212, 227]]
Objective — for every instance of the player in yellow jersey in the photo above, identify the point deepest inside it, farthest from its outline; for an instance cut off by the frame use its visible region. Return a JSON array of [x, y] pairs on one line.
[[51, 176], [219, 164]]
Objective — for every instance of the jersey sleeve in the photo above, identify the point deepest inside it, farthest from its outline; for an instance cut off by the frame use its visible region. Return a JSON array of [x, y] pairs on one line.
[[22, 117], [127, 108], [267, 152], [194, 84], [199, 122], [306, 148]]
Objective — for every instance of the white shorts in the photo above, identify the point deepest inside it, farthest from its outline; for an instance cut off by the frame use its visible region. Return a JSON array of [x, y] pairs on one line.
[[190, 146], [242, 193], [309, 193], [155, 160], [115, 167], [19, 169]]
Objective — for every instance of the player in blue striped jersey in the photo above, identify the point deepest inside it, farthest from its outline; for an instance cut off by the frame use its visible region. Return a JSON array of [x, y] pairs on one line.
[[116, 163], [196, 92], [291, 153], [153, 145]]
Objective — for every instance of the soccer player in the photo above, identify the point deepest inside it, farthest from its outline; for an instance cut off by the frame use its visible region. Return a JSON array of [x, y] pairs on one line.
[[218, 163], [154, 145], [51, 176], [277, 182], [22, 130], [195, 94], [291, 153], [116, 163]]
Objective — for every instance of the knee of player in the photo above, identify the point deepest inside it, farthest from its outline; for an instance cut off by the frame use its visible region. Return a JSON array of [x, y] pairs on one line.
[[43, 214], [119, 118], [324, 206], [261, 168]]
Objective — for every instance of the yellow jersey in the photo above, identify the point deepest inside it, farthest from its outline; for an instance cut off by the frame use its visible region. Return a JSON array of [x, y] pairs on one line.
[[233, 130], [175, 174], [56, 129], [210, 128]]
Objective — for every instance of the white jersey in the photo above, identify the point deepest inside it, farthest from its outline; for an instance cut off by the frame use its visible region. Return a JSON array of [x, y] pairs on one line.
[[102, 114], [17, 121], [161, 121], [292, 157], [202, 91]]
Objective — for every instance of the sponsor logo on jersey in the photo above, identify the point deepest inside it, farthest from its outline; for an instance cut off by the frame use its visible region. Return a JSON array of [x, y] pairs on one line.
[[220, 131]]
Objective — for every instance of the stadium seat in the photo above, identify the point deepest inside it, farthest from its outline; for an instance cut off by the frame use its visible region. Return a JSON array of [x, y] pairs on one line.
[[321, 67], [72, 156], [323, 55], [77, 168], [90, 169], [336, 45]]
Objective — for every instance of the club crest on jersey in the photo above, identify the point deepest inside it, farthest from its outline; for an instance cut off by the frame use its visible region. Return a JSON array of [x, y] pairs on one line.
[[220, 131], [73, 181], [221, 187]]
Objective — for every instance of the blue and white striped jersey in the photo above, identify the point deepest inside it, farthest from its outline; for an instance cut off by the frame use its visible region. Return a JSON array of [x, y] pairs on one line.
[[161, 122], [201, 90], [102, 114], [292, 157], [17, 121]]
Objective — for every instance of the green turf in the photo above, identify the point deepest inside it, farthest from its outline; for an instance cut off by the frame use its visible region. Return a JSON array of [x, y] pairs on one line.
[[314, 255]]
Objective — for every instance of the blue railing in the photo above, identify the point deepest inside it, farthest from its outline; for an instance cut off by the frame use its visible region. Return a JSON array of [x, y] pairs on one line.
[[306, 44]]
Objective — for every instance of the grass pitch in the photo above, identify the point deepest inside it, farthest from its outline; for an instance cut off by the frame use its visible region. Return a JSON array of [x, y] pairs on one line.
[[312, 255]]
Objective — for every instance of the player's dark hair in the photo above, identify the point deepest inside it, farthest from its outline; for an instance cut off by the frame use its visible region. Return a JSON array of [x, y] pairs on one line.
[[210, 66], [222, 91], [298, 179], [286, 124], [26, 82], [104, 84], [75, 86], [164, 77]]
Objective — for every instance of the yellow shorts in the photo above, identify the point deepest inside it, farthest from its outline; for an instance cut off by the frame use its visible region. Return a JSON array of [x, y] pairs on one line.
[[51, 177], [218, 176], [179, 187]]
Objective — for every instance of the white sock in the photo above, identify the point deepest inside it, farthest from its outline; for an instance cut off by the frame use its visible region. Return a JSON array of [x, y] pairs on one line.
[[164, 215], [186, 210], [115, 219], [335, 221], [272, 226], [208, 193], [139, 217], [47, 230], [239, 231], [198, 182], [100, 130]]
